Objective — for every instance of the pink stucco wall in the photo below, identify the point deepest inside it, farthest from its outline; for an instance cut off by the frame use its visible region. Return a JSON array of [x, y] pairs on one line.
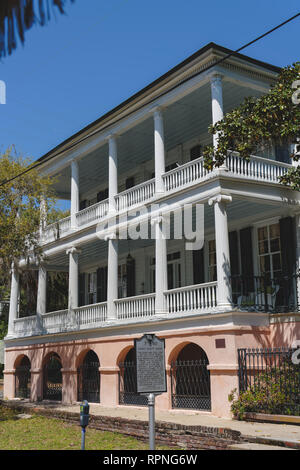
[[111, 351]]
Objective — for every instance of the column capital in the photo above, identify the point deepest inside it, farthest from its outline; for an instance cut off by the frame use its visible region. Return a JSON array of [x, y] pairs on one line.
[[111, 236], [157, 111], [73, 250], [112, 137], [226, 198], [216, 77], [74, 162]]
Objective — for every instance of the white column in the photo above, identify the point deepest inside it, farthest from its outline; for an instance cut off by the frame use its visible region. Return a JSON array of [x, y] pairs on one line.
[[14, 298], [74, 192], [161, 267], [216, 102], [43, 216], [41, 296], [73, 253], [112, 276], [159, 150], [224, 294], [112, 173]]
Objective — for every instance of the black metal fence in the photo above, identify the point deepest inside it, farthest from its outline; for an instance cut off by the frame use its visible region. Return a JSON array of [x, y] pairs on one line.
[[127, 386], [274, 294], [22, 381], [272, 371], [88, 382], [52, 378], [190, 384]]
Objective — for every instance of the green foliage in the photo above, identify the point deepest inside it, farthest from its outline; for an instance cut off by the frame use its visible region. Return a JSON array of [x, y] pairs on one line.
[[257, 122], [273, 392], [20, 201]]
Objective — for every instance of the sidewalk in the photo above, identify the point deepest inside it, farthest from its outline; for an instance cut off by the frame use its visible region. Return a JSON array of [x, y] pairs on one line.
[[281, 432]]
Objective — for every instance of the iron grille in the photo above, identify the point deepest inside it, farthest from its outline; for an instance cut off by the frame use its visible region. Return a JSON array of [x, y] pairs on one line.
[[260, 369], [88, 380], [127, 386], [190, 382], [22, 381], [53, 380]]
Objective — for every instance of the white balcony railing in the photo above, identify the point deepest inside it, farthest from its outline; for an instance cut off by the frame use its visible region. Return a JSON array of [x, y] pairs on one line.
[[187, 174], [135, 307], [191, 298], [257, 168], [54, 231], [25, 326], [137, 195], [56, 322], [94, 314], [91, 213]]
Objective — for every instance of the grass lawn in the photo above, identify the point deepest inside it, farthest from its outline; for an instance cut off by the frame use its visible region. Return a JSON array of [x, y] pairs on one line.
[[39, 433]]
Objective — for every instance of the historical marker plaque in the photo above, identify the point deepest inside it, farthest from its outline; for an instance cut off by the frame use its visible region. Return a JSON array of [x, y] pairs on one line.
[[150, 364]]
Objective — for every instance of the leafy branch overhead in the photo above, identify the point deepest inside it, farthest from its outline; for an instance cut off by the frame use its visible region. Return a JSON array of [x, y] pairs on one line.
[[18, 16], [257, 122]]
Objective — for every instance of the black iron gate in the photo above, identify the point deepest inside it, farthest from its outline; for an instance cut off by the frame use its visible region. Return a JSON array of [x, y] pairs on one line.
[[190, 383], [23, 379], [88, 379], [127, 386], [52, 378], [271, 369]]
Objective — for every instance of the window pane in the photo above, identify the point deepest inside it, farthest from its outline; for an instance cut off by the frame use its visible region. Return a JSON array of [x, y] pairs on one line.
[[274, 231], [275, 245], [263, 247], [263, 233], [276, 260]]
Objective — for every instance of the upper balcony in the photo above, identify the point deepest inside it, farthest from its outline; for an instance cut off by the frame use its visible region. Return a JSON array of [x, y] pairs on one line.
[[181, 178]]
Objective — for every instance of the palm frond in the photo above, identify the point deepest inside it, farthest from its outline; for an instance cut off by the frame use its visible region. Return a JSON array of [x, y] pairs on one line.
[[18, 16]]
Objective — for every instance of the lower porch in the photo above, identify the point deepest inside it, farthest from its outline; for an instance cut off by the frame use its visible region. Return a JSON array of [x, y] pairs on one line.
[[115, 282]]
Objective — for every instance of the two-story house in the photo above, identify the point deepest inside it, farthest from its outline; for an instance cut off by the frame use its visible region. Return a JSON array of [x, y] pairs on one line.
[[237, 290]]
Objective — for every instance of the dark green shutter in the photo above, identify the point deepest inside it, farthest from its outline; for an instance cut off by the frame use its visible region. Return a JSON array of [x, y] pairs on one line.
[[234, 253], [129, 183], [81, 299], [247, 259], [102, 195], [102, 284], [288, 245], [282, 153], [198, 266], [82, 205], [130, 267]]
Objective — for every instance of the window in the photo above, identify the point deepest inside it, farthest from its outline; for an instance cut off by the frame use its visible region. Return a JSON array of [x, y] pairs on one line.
[[92, 288], [269, 250], [212, 261], [174, 271], [122, 281], [195, 152]]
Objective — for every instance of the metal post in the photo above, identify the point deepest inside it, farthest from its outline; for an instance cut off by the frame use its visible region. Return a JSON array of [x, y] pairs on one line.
[[151, 405], [82, 438]]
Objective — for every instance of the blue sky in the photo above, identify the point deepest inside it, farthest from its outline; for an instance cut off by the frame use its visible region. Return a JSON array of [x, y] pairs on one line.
[[80, 66]]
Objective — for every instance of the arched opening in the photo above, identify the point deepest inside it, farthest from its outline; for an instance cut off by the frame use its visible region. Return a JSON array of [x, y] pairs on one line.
[[23, 378], [88, 378], [52, 378], [190, 379], [127, 382]]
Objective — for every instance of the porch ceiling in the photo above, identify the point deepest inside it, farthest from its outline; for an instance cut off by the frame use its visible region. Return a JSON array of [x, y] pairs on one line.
[[184, 120]]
